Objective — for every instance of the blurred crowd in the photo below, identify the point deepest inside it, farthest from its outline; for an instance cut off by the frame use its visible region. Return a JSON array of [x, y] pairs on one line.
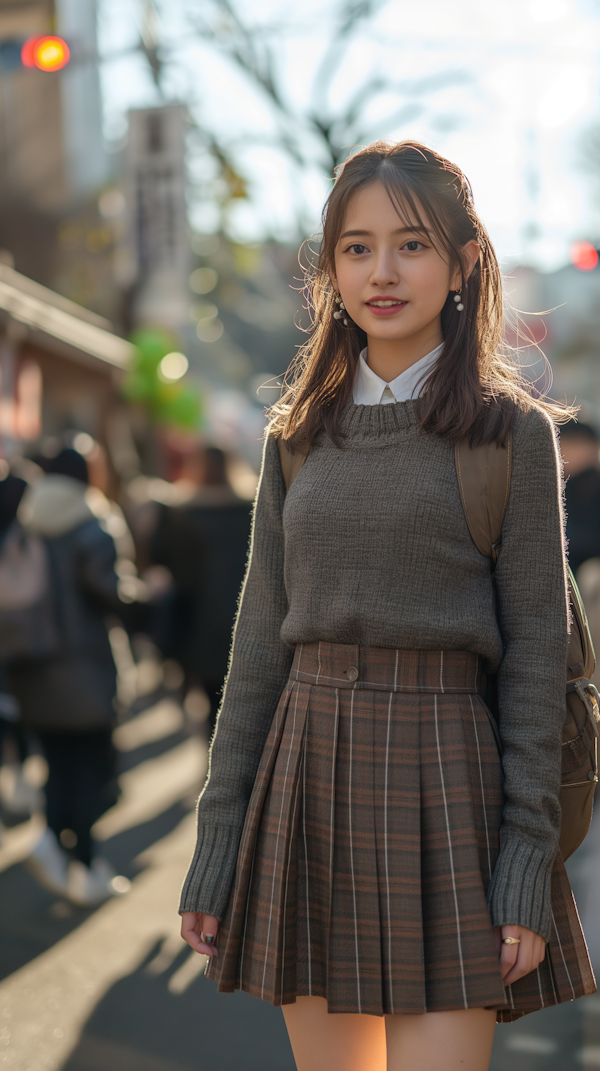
[[161, 570]]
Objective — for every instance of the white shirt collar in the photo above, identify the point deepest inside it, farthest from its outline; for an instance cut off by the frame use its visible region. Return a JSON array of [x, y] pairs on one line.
[[369, 388]]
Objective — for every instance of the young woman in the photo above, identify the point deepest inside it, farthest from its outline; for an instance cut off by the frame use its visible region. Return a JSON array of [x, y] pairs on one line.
[[365, 856]]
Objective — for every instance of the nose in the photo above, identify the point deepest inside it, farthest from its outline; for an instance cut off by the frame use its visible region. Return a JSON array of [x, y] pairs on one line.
[[385, 271]]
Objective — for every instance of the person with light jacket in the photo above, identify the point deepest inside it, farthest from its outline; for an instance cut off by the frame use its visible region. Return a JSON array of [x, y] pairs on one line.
[[68, 696]]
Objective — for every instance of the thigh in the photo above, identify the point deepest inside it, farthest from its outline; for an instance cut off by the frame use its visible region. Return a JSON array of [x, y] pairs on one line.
[[323, 1042], [440, 1041]]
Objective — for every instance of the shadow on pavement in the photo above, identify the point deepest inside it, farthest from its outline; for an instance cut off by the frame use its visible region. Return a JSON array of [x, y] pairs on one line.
[[141, 1025], [33, 920], [128, 760], [125, 846]]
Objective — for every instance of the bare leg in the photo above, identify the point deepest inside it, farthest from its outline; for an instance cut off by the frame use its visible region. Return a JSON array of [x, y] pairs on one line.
[[324, 1042], [440, 1041]]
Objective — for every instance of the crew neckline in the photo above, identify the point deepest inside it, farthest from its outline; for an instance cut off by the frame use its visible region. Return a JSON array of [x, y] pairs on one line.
[[377, 424]]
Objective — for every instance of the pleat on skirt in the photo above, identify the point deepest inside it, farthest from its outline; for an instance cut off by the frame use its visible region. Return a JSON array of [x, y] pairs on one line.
[[369, 844]]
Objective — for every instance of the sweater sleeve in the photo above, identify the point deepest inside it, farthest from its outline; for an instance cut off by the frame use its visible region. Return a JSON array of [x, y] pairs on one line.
[[259, 668], [533, 619]]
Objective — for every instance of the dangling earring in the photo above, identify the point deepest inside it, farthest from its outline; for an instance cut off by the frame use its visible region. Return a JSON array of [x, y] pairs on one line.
[[342, 308], [458, 299]]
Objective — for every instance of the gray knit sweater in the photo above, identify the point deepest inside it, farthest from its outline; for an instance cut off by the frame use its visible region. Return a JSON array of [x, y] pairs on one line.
[[371, 547]]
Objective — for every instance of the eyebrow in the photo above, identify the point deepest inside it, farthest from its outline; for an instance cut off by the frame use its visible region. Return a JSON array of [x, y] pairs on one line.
[[369, 234]]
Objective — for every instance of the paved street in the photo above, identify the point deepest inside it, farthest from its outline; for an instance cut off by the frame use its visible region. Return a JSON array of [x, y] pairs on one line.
[[116, 989]]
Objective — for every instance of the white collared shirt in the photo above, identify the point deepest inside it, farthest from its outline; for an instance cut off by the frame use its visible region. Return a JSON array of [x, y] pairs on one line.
[[369, 389]]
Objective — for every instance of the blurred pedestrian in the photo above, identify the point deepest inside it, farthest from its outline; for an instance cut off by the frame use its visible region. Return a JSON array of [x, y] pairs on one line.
[[580, 447], [67, 697], [18, 796], [203, 542], [366, 856]]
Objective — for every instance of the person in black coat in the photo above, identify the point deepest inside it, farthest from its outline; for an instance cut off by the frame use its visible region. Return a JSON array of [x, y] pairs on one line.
[[67, 697], [204, 544], [21, 797], [580, 445]]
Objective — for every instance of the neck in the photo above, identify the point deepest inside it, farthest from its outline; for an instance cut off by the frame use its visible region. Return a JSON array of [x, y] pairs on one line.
[[388, 358]]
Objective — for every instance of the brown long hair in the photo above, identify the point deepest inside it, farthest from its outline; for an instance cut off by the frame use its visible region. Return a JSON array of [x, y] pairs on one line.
[[475, 384]]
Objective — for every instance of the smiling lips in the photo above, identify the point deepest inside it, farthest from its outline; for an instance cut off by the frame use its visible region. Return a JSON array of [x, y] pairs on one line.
[[385, 306]]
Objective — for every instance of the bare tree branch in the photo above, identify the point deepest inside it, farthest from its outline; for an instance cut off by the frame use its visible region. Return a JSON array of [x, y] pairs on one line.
[[251, 49]]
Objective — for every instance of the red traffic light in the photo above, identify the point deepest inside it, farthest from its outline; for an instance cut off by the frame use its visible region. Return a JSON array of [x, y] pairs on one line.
[[45, 53], [584, 256]]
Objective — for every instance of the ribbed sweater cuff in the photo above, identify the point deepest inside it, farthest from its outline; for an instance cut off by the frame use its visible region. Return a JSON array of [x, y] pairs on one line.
[[208, 882], [519, 892]]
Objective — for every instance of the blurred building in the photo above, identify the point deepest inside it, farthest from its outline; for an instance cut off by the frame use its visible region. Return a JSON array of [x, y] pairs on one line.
[[53, 161], [60, 365], [50, 124]]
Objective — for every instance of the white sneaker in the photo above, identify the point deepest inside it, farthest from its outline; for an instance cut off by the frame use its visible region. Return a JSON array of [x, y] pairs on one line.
[[49, 864], [105, 872], [91, 886]]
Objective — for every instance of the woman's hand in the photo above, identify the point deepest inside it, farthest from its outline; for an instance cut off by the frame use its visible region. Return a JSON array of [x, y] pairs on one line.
[[518, 960], [198, 930]]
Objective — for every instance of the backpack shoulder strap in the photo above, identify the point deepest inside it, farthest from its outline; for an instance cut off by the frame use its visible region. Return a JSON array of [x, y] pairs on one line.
[[484, 482], [290, 463]]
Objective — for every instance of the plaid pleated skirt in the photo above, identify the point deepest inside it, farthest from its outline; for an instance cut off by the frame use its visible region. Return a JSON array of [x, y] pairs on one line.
[[369, 843]]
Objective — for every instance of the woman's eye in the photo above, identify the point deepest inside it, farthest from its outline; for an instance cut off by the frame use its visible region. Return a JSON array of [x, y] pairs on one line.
[[413, 246], [358, 249]]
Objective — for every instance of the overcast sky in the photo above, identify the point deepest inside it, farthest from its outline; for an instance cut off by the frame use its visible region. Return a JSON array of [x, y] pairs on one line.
[[523, 92]]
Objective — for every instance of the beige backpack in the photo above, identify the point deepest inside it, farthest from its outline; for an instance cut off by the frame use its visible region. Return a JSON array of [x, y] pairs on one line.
[[484, 474]]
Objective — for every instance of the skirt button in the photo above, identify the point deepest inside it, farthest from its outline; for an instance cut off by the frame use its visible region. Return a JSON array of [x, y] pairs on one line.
[[352, 673]]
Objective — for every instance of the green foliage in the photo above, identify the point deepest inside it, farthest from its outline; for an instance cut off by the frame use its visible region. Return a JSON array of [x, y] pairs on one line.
[[177, 404]]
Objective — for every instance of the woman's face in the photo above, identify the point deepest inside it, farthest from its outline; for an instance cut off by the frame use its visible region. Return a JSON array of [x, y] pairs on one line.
[[393, 281]]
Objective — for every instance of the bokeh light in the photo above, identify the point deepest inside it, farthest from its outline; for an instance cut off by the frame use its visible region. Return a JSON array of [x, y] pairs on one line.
[[203, 280], [45, 53], [584, 256], [173, 366]]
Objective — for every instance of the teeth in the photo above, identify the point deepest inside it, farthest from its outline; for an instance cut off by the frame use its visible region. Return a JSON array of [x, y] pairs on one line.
[[384, 304]]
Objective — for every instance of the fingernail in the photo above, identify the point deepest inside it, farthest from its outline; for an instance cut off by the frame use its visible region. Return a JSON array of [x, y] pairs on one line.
[[209, 938]]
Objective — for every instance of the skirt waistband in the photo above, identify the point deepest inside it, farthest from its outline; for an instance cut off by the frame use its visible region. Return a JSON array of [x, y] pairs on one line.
[[347, 665]]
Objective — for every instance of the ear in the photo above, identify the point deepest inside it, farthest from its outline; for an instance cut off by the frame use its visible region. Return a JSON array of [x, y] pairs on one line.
[[470, 253], [333, 280]]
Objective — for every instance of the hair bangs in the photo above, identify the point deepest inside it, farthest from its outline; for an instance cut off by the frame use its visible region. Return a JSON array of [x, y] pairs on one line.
[[411, 203]]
